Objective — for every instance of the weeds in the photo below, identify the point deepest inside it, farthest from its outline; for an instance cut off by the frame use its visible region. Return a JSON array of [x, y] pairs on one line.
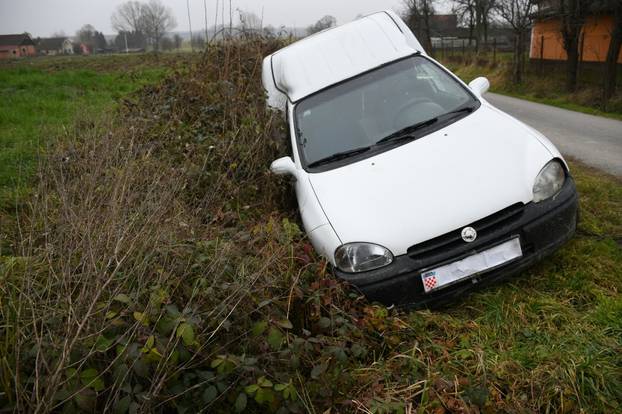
[[158, 267]]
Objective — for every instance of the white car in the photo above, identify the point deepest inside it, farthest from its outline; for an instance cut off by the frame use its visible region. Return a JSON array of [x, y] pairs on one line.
[[408, 181]]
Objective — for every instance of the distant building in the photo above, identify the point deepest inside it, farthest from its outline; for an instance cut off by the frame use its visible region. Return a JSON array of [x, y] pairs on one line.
[[16, 45], [83, 49], [547, 42], [55, 46]]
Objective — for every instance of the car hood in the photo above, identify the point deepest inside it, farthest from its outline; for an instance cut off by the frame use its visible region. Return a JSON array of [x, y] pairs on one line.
[[444, 181]]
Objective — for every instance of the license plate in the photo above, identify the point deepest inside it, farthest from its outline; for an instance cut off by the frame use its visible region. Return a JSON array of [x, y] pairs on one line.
[[448, 274]]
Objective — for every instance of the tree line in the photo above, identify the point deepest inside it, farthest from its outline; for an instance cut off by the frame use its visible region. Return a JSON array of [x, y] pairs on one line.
[[142, 24], [138, 24], [519, 16]]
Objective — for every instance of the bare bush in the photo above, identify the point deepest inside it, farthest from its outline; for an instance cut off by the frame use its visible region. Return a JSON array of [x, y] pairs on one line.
[[132, 265]]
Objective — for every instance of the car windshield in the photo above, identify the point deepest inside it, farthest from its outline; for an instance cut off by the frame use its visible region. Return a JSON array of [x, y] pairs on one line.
[[387, 104]]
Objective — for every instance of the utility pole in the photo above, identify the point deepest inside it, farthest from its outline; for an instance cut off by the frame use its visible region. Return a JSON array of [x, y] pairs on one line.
[[216, 20], [261, 24], [189, 24], [230, 20], [206, 32], [126, 48]]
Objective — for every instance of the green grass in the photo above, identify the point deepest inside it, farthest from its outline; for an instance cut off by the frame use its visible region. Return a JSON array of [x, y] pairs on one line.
[[40, 97]]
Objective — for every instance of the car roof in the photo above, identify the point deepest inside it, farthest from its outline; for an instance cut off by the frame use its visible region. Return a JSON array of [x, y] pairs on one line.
[[336, 54]]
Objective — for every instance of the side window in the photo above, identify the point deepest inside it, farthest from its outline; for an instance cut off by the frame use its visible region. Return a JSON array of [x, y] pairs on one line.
[[288, 131]]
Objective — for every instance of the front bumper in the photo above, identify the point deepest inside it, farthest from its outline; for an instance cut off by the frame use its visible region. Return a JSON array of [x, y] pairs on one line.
[[542, 227]]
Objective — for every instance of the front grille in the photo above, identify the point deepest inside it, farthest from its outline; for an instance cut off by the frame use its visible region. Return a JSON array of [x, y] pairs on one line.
[[495, 226]]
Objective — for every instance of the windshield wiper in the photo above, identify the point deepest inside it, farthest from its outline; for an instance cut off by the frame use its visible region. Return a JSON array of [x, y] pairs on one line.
[[467, 109], [338, 156], [406, 133], [401, 135]]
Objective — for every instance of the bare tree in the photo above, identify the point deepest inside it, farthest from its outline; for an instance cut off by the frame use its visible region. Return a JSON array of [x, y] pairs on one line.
[[128, 17], [92, 38], [483, 10], [615, 44], [322, 24], [87, 35], [465, 11], [477, 15], [573, 14], [418, 16], [157, 19], [177, 40], [518, 14]]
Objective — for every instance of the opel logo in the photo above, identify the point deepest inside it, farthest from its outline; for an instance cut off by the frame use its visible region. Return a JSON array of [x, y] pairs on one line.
[[469, 234]]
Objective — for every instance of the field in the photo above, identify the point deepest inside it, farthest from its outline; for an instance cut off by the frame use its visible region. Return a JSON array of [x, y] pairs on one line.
[[41, 96], [150, 263]]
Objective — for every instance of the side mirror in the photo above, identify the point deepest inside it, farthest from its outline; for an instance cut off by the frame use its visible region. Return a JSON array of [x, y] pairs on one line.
[[479, 85], [284, 166]]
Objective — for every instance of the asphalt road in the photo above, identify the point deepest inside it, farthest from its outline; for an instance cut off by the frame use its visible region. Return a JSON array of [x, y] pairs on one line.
[[595, 140]]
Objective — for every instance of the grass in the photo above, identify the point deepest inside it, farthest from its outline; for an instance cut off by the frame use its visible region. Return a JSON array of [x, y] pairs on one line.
[[41, 97], [161, 268], [546, 86]]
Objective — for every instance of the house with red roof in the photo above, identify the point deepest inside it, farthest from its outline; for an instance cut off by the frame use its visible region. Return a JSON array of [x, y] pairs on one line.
[[16, 45]]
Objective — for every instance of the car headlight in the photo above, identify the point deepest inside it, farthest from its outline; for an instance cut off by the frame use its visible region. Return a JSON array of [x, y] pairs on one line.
[[549, 181], [360, 257]]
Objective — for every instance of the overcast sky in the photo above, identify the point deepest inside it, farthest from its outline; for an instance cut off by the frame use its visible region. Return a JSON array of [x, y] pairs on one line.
[[44, 17]]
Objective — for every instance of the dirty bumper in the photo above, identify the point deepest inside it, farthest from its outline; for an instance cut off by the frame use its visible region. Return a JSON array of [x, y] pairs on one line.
[[540, 228]]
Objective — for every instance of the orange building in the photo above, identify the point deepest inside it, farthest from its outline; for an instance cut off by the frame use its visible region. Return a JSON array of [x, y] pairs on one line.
[[547, 42], [16, 45]]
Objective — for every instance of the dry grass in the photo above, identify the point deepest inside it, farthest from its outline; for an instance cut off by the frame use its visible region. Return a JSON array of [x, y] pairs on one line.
[[123, 220]]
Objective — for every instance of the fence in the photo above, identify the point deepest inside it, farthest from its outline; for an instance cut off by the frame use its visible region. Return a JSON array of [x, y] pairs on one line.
[[453, 48]]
